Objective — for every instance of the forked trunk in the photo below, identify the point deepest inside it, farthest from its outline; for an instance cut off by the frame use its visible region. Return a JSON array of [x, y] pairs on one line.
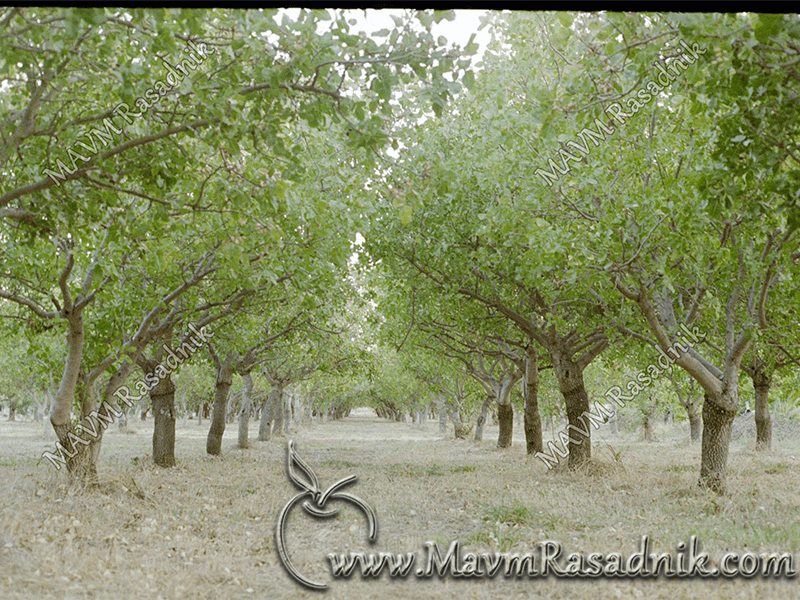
[[762, 383], [78, 446], [533, 422], [505, 418], [717, 425], [244, 415]]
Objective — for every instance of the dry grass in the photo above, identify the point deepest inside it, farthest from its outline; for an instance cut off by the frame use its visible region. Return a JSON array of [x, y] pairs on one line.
[[205, 528]]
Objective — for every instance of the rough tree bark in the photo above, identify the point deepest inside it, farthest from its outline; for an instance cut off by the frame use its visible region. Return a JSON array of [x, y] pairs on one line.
[[570, 382], [717, 426], [162, 398], [505, 418]]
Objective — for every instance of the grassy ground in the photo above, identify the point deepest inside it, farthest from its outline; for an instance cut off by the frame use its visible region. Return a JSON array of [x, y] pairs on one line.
[[206, 528]]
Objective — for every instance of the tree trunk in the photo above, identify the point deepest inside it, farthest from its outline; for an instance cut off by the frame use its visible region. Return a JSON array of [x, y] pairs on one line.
[[505, 412], [244, 414], [280, 414], [695, 424], [442, 418], [80, 456], [123, 418], [762, 383], [482, 418], [648, 429], [265, 422], [533, 422], [269, 413], [162, 398], [222, 390], [461, 432], [717, 425], [230, 409], [505, 418], [295, 407], [571, 385]]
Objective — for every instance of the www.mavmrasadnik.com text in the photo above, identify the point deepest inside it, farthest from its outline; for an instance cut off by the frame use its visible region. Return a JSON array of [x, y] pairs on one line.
[[549, 560]]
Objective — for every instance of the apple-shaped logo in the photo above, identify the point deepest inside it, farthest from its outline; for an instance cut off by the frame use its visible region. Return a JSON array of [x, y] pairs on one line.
[[303, 477]]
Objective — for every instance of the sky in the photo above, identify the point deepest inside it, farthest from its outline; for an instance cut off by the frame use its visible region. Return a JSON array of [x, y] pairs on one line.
[[456, 31]]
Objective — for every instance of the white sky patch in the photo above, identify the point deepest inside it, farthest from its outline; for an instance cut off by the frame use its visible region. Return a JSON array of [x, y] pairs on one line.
[[457, 31]]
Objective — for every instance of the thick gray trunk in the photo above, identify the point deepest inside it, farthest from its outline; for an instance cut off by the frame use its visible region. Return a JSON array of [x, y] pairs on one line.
[[717, 425]]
